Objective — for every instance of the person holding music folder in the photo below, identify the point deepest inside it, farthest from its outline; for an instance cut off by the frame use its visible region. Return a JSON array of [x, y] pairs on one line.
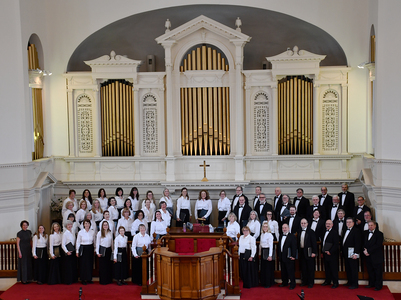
[[183, 212], [141, 239], [307, 252], [287, 252], [84, 251], [120, 257], [284, 211], [69, 259], [330, 254], [232, 226], [224, 207], [373, 251], [248, 269], [24, 273], [39, 253], [55, 254], [203, 207], [104, 250], [266, 256], [351, 246]]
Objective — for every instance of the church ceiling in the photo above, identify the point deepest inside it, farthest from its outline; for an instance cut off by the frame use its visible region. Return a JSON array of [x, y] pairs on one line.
[[271, 33]]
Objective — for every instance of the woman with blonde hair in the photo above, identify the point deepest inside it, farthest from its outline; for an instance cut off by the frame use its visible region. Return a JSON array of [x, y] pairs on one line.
[[55, 254], [97, 213], [266, 255], [104, 249], [39, 253]]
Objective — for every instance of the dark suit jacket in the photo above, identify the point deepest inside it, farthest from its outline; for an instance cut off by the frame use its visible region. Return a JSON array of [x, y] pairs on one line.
[[290, 242], [374, 246], [246, 211], [360, 216], [335, 227], [320, 228], [328, 203], [321, 209], [277, 207], [353, 240], [309, 242], [266, 208], [296, 224], [278, 216], [362, 226], [333, 239], [232, 202], [349, 203], [303, 205]]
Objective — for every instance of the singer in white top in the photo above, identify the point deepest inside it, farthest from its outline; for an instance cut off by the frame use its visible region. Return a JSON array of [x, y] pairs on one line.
[[184, 213], [104, 202], [119, 199], [69, 259], [55, 248], [83, 209], [166, 198], [141, 239], [224, 206], [233, 228], [149, 196], [203, 207], [71, 197], [266, 254], [104, 249], [273, 225], [113, 210], [158, 226], [126, 222], [134, 197], [85, 250], [97, 213], [69, 205], [165, 213], [87, 196], [120, 257], [254, 224], [39, 253], [106, 218], [88, 216], [139, 219], [248, 268]]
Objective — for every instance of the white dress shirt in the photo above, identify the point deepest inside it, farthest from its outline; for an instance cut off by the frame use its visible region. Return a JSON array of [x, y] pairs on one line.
[[322, 199], [140, 241], [203, 204], [106, 241], [183, 203], [254, 226], [149, 213], [340, 226], [283, 241], [166, 217], [224, 205], [111, 225], [152, 205], [158, 227], [40, 242], [334, 209], [276, 198], [168, 201], [119, 242], [119, 201], [274, 228], [54, 240], [113, 212], [266, 241], [126, 223], [235, 201], [80, 216], [97, 215], [88, 204], [233, 229], [93, 226], [247, 243], [135, 226], [104, 203], [325, 236], [68, 237], [343, 198], [135, 203], [85, 238], [314, 224], [75, 208]]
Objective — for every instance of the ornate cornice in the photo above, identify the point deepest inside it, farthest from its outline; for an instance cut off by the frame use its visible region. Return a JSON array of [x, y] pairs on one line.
[[296, 55], [113, 60]]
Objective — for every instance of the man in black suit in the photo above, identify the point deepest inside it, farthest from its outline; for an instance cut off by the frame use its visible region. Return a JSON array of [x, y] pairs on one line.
[[340, 224], [301, 203], [284, 211], [262, 207], [360, 210], [307, 252], [330, 254], [238, 193], [242, 211], [316, 206], [277, 201], [317, 224], [347, 200], [373, 251], [287, 249], [293, 221], [258, 190], [325, 200], [351, 246], [367, 217], [332, 212]]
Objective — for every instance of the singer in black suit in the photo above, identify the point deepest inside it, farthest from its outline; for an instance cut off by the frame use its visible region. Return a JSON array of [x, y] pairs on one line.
[[246, 211], [351, 243], [316, 205], [238, 193], [293, 221], [258, 191], [287, 249], [326, 201], [277, 201], [340, 219], [284, 211], [360, 210], [348, 203], [307, 252], [330, 254], [373, 251], [301, 203], [367, 218], [262, 207], [317, 224]]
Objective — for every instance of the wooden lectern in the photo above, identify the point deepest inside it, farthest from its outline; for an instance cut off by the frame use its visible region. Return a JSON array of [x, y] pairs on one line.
[[188, 276]]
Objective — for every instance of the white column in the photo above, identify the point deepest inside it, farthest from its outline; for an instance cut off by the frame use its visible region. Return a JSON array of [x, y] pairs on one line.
[[137, 122], [70, 105], [344, 118], [316, 113], [97, 122], [274, 121]]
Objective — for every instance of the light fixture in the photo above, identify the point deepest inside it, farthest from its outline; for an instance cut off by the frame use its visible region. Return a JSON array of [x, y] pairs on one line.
[[362, 65], [43, 72]]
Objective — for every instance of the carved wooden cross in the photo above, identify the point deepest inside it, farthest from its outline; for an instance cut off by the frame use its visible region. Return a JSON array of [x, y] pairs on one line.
[[204, 170]]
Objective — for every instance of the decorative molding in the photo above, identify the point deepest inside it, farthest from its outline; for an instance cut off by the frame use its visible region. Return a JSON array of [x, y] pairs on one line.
[[150, 128], [261, 122], [330, 120], [296, 55], [112, 60], [84, 123], [205, 78]]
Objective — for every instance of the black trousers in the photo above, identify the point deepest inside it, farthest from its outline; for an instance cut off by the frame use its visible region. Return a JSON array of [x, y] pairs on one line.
[[331, 269], [351, 268], [375, 272], [307, 268], [288, 271], [267, 273]]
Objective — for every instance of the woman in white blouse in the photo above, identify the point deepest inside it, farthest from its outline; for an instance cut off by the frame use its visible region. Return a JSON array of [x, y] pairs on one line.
[[83, 209], [158, 226], [75, 225], [183, 208], [149, 196], [141, 239], [254, 224], [69, 206], [248, 269], [139, 219], [119, 200], [266, 255], [101, 196], [233, 228], [120, 257], [84, 251], [71, 197], [104, 249], [106, 218], [149, 211], [88, 216], [97, 213], [128, 205], [126, 222], [273, 225], [203, 207], [87, 196], [134, 197], [69, 258], [165, 213], [223, 205], [55, 254], [39, 253], [166, 198], [113, 211]]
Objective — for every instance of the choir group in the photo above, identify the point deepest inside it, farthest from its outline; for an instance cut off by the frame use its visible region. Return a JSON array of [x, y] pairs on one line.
[[102, 227]]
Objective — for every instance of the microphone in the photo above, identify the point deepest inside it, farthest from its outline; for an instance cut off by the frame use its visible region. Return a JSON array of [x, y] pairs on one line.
[[302, 296], [80, 293]]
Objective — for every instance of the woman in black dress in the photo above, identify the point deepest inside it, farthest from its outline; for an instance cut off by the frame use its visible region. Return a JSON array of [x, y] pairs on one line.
[[85, 251], [55, 254], [104, 248], [39, 253], [24, 253]]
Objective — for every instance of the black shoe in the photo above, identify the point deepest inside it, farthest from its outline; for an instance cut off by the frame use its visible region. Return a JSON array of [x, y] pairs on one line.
[[353, 287], [119, 282], [83, 282], [303, 284], [292, 287], [90, 281], [310, 286], [368, 286], [376, 289], [346, 284], [334, 286], [325, 283], [283, 285]]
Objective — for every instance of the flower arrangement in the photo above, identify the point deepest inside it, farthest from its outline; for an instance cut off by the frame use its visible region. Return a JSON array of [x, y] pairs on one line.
[[56, 206]]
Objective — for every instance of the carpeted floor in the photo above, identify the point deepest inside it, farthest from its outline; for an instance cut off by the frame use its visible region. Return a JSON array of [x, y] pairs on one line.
[[112, 291]]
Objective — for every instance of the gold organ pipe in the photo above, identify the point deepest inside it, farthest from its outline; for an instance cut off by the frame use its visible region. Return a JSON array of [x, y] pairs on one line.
[[204, 60], [102, 119], [219, 61], [200, 121], [223, 92], [198, 59], [132, 112], [195, 119], [214, 67], [311, 116], [193, 60], [210, 121], [300, 116], [185, 65], [205, 120], [209, 58], [292, 115], [113, 113], [29, 58], [186, 124], [228, 118], [296, 116], [303, 113], [282, 117], [220, 114], [124, 121], [189, 114], [287, 127], [183, 100], [215, 120]]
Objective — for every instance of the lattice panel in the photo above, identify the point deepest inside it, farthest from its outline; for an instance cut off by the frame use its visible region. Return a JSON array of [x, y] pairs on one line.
[[330, 121], [150, 136], [261, 123], [84, 119]]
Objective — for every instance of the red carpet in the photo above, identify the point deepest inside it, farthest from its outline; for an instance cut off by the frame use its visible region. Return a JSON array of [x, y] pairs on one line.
[[113, 291]]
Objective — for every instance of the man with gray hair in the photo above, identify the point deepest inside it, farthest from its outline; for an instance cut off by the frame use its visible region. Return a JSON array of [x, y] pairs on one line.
[[347, 200]]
